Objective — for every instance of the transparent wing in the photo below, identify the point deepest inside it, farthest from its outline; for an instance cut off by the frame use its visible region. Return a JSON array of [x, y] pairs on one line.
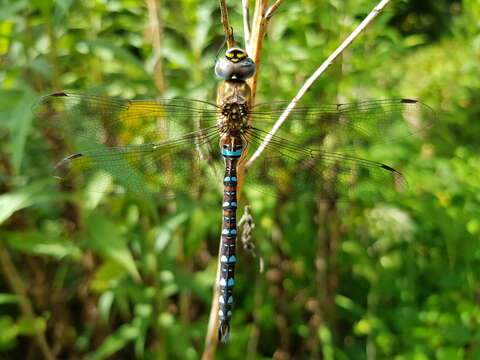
[[142, 146], [305, 174], [114, 121], [167, 169], [347, 126], [317, 154]]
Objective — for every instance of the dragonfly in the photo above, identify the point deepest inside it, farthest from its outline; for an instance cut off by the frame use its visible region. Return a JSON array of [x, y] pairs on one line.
[[176, 147]]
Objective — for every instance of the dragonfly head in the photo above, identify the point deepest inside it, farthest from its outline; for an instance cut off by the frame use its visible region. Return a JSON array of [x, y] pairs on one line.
[[235, 65]]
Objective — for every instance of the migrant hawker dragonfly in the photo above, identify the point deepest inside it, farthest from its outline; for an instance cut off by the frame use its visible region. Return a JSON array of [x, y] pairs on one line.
[[170, 147]]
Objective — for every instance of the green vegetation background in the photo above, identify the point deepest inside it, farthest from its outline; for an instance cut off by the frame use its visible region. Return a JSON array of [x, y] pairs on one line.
[[391, 279]]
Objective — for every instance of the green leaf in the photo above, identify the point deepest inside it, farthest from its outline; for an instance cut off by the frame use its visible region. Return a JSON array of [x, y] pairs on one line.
[[8, 330], [203, 26], [28, 326], [7, 12], [119, 53], [105, 304], [107, 275], [115, 342], [17, 200], [349, 304], [164, 233], [325, 336], [21, 118], [107, 239], [41, 243], [9, 299]]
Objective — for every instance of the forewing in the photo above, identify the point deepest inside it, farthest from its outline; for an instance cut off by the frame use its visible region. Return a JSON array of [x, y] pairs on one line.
[[114, 121], [318, 152], [140, 147], [347, 126]]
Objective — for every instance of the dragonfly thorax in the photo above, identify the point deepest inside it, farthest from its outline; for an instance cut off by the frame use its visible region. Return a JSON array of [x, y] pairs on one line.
[[233, 119]]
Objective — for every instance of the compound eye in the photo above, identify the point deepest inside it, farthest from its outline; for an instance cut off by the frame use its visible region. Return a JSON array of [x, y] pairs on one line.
[[247, 69], [235, 65]]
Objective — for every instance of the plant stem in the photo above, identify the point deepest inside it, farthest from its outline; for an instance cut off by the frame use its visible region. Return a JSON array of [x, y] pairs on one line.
[[226, 24], [156, 39], [18, 288]]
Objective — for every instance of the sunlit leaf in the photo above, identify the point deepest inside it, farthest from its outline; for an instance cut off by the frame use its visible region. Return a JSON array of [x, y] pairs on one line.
[[7, 11], [105, 304], [107, 239], [118, 52], [41, 243], [21, 118], [9, 299], [115, 342], [20, 199]]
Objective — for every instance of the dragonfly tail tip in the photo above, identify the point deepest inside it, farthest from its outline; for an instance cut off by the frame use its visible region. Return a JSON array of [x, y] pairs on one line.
[[223, 333]]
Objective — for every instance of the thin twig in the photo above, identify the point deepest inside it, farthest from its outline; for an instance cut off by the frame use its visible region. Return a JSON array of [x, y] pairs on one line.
[[271, 10], [156, 39], [211, 339], [376, 10], [254, 50], [18, 287], [226, 25], [246, 23]]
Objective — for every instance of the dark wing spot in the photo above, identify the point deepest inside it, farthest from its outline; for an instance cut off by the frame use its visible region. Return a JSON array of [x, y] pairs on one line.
[[61, 168], [64, 162], [59, 94], [386, 167], [74, 156], [408, 101]]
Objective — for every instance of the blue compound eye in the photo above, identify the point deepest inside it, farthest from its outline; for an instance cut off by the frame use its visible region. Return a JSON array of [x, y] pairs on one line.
[[235, 65]]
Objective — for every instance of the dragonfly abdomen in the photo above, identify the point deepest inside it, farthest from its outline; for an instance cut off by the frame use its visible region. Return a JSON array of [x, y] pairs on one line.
[[231, 150]]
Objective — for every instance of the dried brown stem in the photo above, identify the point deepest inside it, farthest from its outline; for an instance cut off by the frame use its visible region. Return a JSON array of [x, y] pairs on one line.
[[156, 39], [16, 284], [271, 10], [254, 47], [211, 339], [227, 29], [306, 86]]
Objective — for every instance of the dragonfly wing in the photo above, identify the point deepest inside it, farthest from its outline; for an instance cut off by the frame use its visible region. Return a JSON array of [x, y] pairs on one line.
[[347, 126], [116, 122], [142, 146], [167, 169], [316, 174], [308, 153]]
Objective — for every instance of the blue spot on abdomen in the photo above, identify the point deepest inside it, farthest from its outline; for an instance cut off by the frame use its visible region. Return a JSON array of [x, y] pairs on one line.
[[237, 153]]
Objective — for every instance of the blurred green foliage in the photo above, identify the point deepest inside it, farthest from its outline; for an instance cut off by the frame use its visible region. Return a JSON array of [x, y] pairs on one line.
[[116, 277]]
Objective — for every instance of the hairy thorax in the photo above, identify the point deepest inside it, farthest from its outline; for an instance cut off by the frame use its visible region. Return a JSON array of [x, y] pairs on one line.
[[233, 119], [234, 97]]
